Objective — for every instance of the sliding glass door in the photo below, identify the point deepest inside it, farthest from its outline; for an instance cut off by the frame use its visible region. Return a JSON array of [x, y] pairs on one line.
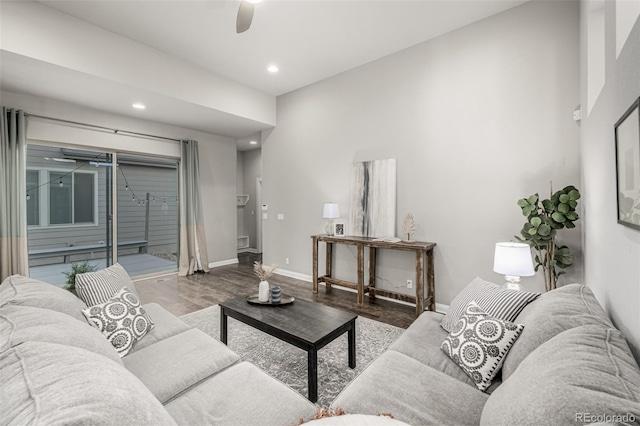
[[71, 216], [147, 193], [69, 211]]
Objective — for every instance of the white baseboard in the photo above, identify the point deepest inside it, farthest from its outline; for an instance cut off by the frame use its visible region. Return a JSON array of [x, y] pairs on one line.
[[248, 250], [440, 308], [223, 263], [295, 275]]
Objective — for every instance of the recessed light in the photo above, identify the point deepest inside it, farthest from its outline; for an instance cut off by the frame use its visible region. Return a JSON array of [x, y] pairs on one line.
[[138, 105], [273, 68], [253, 142], [254, 1]]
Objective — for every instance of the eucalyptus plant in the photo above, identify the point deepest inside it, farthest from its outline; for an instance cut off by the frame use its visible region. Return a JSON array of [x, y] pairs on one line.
[[544, 219]]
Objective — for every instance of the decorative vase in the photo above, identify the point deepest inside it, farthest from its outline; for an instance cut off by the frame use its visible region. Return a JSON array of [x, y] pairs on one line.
[[276, 292], [263, 292]]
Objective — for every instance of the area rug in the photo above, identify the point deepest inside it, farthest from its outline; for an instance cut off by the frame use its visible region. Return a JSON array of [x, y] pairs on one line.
[[289, 364]]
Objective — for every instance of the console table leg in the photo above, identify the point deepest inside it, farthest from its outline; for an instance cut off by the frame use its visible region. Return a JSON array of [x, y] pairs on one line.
[[360, 297], [431, 288], [315, 264], [372, 274], [312, 373], [419, 283], [329, 261]]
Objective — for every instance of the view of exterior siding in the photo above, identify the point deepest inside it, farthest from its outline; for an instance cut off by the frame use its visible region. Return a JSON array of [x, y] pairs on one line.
[[161, 185], [75, 213]]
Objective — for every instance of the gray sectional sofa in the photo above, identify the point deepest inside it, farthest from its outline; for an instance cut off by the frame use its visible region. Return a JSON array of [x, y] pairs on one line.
[[55, 368], [570, 365]]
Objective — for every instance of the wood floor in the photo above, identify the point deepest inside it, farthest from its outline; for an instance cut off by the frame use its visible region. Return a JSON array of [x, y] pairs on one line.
[[183, 295]]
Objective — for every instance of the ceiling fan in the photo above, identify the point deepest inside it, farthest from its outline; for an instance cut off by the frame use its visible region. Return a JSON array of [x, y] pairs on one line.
[[245, 15]]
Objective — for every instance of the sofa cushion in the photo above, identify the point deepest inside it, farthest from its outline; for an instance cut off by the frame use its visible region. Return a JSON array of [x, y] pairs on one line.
[[19, 324], [479, 342], [240, 395], [25, 291], [184, 359], [47, 383], [95, 288], [166, 325], [412, 392], [422, 340], [552, 313], [121, 319], [587, 369], [495, 300]]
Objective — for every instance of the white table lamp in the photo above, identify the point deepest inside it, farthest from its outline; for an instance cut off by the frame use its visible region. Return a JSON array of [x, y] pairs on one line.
[[330, 211], [514, 261]]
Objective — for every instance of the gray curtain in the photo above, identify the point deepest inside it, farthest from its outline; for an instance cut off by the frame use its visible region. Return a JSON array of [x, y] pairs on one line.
[[13, 194], [193, 248]]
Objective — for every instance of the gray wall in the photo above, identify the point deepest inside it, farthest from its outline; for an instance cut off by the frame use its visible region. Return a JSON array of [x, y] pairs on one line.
[[476, 119], [612, 251]]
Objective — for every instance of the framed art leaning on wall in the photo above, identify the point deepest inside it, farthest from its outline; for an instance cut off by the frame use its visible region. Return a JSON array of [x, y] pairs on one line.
[[627, 133]]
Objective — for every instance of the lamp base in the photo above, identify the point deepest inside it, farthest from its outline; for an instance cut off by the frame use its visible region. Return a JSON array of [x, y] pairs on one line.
[[513, 282], [329, 228]]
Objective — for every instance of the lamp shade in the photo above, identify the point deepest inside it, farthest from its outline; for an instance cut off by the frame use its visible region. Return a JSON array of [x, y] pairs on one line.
[[513, 259], [330, 211]]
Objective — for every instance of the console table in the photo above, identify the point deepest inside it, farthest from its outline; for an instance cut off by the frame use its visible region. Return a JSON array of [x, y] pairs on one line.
[[421, 250]]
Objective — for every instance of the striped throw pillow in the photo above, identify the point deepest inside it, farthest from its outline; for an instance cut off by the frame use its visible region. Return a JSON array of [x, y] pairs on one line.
[[493, 299], [95, 288]]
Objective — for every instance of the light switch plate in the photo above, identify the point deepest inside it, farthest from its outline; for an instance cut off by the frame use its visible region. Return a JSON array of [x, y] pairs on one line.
[[280, 216]]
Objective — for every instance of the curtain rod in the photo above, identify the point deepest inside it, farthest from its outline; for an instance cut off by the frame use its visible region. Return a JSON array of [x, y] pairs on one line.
[[115, 131]]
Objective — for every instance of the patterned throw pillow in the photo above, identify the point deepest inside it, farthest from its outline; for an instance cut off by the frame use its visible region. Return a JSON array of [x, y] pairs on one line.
[[121, 319], [479, 342], [94, 288], [494, 299]]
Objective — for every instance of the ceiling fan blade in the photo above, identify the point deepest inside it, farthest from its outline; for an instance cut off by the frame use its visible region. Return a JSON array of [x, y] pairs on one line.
[[245, 16]]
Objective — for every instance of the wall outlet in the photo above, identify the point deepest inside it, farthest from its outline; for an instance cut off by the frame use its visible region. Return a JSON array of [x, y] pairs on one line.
[[286, 260], [409, 283]]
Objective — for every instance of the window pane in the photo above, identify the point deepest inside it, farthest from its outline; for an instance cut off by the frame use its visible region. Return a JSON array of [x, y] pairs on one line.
[[59, 198], [33, 198], [83, 198]]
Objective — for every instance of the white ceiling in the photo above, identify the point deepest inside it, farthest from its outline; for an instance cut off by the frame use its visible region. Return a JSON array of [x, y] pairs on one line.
[[309, 40]]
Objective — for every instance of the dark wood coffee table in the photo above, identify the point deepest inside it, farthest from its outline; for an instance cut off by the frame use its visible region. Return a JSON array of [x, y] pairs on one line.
[[306, 325]]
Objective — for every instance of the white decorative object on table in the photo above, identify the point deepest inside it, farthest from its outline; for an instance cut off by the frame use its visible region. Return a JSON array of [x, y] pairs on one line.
[[264, 292], [409, 227]]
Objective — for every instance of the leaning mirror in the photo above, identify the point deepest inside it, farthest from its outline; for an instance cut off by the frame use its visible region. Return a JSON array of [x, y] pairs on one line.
[[627, 132]]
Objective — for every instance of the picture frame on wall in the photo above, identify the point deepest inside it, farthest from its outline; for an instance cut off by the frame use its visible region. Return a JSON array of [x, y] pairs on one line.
[[339, 229], [627, 139]]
